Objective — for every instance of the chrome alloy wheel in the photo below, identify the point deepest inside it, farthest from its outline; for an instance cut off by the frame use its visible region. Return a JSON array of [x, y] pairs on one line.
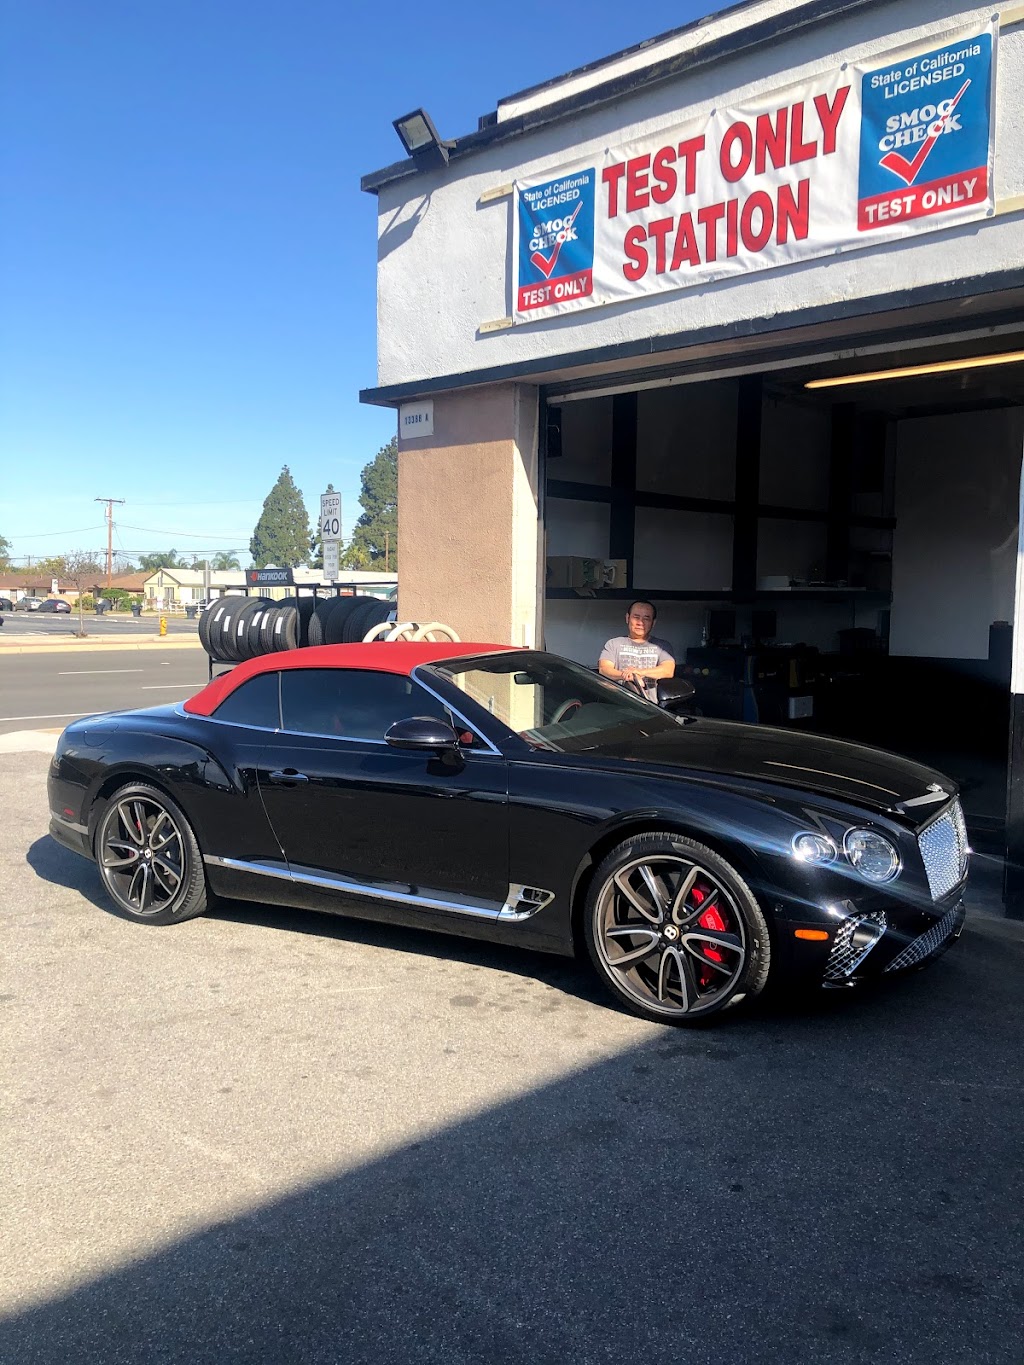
[[141, 855], [670, 935]]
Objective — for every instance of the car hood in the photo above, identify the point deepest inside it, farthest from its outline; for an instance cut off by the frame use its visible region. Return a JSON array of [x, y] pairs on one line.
[[833, 767]]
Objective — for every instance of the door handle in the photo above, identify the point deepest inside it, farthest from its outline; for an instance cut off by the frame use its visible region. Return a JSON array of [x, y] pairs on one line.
[[287, 777]]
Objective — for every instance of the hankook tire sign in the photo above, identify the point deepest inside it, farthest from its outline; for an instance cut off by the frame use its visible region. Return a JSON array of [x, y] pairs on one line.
[[856, 156]]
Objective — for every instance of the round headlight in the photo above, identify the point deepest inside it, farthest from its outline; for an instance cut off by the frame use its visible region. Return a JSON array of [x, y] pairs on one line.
[[873, 856], [813, 848]]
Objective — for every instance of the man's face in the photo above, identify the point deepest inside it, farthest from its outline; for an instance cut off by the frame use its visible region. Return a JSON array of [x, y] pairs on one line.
[[640, 620]]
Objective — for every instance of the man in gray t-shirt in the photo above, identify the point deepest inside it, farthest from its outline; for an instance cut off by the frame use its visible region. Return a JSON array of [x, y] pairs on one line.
[[638, 657]]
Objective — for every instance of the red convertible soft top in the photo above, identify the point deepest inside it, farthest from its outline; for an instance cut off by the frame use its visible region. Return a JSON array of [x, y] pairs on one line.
[[400, 657]]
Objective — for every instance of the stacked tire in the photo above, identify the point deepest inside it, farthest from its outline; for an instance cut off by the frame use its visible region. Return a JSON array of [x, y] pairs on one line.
[[232, 629]]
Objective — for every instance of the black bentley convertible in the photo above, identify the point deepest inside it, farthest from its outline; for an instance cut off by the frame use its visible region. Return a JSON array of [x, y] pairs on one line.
[[512, 795]]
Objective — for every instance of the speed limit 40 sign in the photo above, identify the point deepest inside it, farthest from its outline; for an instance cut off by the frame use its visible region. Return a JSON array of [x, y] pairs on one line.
[[330, 516]]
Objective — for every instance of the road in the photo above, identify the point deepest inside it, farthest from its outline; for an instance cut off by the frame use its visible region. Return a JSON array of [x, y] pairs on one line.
[[30, 625], [51, 688], [267, 1136]]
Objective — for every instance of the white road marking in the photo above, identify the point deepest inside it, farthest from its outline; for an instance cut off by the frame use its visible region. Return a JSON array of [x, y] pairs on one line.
[[57, 715], [81, 672]]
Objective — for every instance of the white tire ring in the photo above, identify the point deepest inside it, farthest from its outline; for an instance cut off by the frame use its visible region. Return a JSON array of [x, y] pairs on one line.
[[436, 631]]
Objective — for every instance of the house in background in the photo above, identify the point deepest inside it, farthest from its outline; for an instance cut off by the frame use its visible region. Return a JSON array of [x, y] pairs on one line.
[[18, 583]]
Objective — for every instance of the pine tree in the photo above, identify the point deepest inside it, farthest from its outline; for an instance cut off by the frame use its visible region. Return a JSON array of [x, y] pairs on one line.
[[375, 537], [282, 533]]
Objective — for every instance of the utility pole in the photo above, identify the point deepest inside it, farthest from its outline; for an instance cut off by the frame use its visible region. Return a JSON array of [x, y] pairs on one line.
[[110, 532], [387, 549]]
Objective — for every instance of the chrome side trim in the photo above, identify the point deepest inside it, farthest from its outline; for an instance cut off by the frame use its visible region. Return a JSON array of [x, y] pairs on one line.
[[512, 909], [216, 720], [322, 734], [69, 824], [268, 868], [415, 675]]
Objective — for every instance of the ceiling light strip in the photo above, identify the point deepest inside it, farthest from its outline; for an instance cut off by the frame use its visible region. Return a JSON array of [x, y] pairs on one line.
[[977, 362]]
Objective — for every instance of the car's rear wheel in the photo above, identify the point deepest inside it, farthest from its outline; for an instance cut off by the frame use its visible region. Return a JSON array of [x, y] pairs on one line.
[[674, 931], [148, 857]]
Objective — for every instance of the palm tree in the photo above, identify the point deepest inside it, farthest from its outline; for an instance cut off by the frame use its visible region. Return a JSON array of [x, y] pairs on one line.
[[226, 560]]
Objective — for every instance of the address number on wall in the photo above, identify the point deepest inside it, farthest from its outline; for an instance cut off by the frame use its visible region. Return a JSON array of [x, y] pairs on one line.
[[416, 420]]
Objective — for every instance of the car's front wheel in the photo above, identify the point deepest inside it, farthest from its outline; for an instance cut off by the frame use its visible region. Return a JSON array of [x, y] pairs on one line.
[[674, 931], [148, 857]]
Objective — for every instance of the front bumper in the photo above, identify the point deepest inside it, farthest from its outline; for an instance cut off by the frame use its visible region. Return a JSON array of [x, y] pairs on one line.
[[71, 834], [868, 939]]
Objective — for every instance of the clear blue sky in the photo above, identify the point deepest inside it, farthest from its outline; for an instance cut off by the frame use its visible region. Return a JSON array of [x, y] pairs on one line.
[[187, 264]]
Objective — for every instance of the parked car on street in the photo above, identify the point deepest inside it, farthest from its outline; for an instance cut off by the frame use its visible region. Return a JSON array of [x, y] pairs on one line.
[[28, 603], [54, 604], [512, 795], [6, 604]]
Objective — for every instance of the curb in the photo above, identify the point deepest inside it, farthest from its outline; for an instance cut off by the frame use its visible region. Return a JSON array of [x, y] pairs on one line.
[[61, 645]]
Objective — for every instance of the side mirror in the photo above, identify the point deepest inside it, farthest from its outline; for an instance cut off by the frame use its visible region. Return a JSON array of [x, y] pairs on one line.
[[425, 733], [674, 693]]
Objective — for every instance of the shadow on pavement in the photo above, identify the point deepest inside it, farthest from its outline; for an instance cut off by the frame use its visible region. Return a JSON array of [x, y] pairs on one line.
[[843, 1185], [53, 863]]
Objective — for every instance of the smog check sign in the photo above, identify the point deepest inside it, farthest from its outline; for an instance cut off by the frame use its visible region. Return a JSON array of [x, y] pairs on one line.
[[847, 158], [926, 127], [556, 241]]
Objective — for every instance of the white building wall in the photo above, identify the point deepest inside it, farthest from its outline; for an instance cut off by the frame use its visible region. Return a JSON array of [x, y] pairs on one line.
[[955, 543], [444, 259]]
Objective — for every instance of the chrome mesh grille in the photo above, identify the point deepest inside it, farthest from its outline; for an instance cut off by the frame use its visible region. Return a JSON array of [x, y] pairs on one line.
[[854, 939], [944, 850], [927, 942]]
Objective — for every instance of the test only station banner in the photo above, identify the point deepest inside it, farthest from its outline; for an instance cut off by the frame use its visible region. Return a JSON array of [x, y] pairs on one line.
[[855, 156]]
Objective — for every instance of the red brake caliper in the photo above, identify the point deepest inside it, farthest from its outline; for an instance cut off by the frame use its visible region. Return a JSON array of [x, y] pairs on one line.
[[711, 919]]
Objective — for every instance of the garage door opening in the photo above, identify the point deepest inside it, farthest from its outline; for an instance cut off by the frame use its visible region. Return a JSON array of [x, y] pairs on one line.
[[839, 558]]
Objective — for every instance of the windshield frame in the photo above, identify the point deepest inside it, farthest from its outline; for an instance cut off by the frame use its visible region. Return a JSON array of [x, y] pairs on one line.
[[492, 727]]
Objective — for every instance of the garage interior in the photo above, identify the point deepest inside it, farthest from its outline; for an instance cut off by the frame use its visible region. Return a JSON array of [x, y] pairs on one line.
[[834, 556]]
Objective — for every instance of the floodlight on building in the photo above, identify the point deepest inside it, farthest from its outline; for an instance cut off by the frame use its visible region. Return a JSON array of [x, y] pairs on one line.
[[976, 362], [420, 138]]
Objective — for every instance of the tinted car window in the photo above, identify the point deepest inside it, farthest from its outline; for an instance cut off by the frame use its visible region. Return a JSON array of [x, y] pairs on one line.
[[351, 704], [254, 703]]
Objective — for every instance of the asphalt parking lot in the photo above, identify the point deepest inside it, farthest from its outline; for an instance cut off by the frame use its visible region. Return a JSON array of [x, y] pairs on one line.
[[266, 1136]]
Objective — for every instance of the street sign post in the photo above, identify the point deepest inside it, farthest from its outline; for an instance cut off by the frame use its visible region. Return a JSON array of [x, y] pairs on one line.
[[330, 533], [330, 516], [331, 557]]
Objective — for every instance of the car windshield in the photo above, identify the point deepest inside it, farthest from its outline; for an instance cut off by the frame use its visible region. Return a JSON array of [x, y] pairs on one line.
[[553, 703]]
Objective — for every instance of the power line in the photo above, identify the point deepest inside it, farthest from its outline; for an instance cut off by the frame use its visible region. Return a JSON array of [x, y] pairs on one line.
[[42, 535], [159, 531]]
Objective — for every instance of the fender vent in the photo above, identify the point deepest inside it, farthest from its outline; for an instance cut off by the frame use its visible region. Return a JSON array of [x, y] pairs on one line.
[[524, 901], [855, 938]]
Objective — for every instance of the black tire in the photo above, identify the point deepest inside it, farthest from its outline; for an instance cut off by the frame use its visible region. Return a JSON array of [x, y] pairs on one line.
[[376, 613], [358, 621], [240, 639], [254, 634], [285, 633], [148, 857], [209, 626], [652, 922], [225, 645], [267, 622], [334, 622], [305, 607], [315, 627]]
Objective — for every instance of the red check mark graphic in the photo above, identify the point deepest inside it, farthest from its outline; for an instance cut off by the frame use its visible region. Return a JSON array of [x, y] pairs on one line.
[[546, 264], [910, 170]]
